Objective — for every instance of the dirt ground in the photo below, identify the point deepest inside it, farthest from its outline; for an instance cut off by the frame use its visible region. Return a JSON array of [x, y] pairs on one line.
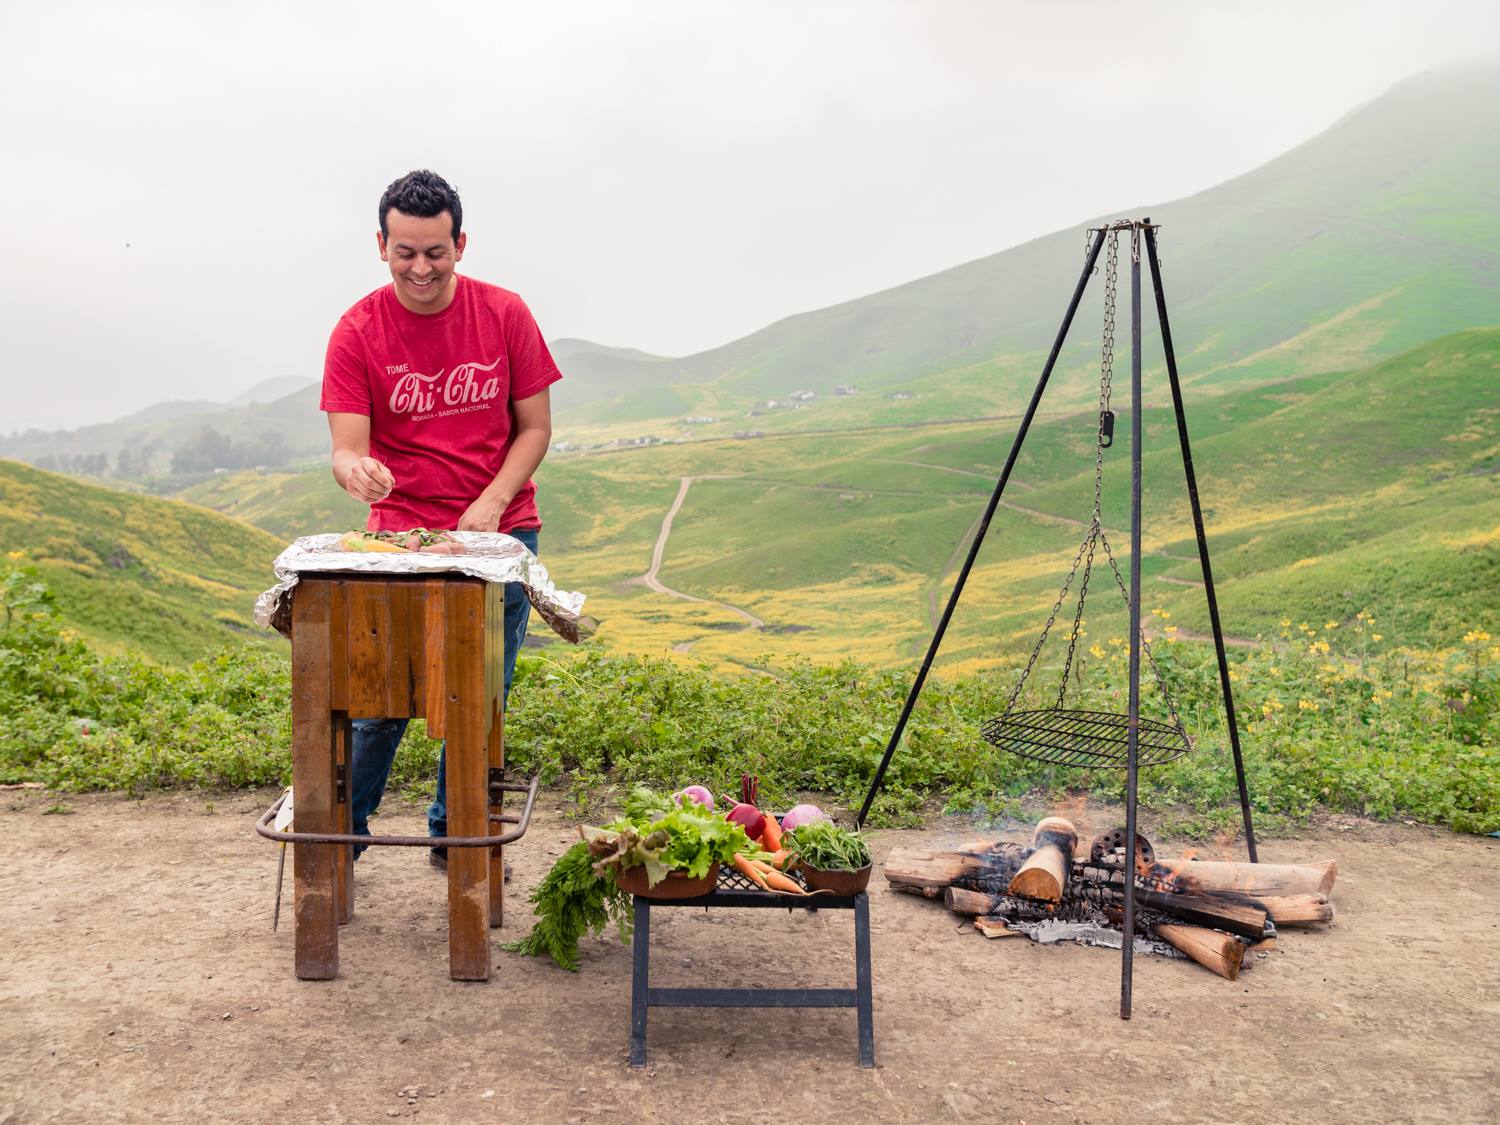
[[140, 978]]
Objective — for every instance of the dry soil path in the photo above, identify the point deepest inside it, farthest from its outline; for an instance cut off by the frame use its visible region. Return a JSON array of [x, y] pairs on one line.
[[141, 981]]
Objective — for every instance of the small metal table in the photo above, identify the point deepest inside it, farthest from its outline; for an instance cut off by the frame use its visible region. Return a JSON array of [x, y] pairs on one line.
[[734, 891]]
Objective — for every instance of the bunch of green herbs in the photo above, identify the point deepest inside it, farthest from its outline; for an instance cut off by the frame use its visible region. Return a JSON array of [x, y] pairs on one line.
[[580, 894], [826, 846]]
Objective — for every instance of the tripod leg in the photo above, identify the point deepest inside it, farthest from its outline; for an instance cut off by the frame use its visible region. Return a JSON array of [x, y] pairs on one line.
[[1208, 576], [979, 533], [1132, 730]]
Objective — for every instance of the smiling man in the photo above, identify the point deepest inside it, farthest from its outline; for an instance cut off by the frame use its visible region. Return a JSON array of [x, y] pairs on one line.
[[435, 388]]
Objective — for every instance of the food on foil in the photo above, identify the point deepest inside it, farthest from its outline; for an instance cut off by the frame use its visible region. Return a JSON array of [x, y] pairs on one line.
[[417, 539]]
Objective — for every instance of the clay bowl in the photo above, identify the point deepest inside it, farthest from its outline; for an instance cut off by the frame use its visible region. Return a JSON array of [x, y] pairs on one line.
[[677, 884], [838, 882]]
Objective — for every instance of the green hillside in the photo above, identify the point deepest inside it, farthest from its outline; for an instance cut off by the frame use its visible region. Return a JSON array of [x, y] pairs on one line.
[[1379, 234], [287, 503], [161, 576], [1326, 496]]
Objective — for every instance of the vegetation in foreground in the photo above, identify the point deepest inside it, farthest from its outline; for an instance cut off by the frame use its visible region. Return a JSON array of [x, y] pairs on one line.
[[1330, 718]]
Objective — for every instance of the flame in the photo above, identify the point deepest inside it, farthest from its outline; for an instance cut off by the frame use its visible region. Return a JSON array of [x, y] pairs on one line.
[[1172, 870]]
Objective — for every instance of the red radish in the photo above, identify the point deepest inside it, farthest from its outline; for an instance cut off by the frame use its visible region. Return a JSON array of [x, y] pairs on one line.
[[695, 793], [799, 815], [748, 817]]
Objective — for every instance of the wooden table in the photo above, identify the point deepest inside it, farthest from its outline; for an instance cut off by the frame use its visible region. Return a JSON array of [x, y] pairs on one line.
[[378, 646]]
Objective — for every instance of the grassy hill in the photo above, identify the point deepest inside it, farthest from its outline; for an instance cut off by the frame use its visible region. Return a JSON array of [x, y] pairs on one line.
[[1326, 496], [164, 577], [287, 503], [1379, 234]]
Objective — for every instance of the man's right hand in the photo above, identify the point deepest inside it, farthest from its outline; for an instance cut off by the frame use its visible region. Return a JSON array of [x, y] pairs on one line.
[[369, 481]]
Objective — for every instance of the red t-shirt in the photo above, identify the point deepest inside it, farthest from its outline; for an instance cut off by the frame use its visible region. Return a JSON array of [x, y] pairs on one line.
[[438, 391]]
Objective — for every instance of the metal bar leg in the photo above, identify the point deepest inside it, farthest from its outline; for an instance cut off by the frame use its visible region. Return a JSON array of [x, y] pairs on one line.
[[1208, 576], [979, 534], [639, 981], [1132, 736], [864, 1000]]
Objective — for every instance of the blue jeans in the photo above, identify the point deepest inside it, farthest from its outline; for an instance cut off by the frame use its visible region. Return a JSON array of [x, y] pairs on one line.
[[376, 740]]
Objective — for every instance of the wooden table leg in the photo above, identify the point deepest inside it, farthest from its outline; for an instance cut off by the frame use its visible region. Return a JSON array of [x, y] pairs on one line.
[[468, 767], [496, 743], [313, 778], [343, 855]]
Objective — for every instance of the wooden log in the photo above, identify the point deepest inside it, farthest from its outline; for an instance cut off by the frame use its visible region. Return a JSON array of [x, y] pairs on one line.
[[924, 868], [1044, 875], [1256, 879], [1204, 910], [1297, 910], [971, 903], [1222, 953]]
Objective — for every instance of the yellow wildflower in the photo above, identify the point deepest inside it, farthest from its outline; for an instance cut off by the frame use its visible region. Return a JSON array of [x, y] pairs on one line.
[[1286, 622], [1376, 637], [1095, 651], [1307, 705], [1475, 636], [1115, 641], [1330, 624]]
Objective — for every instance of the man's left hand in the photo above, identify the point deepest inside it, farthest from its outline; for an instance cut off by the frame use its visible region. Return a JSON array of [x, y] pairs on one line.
[[483, 515]]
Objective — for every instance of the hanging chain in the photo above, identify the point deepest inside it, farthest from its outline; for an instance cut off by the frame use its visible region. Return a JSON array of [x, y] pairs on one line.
[[1095, 536], [1062, 596]]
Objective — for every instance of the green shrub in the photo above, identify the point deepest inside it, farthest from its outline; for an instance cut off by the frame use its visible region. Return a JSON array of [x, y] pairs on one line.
[[1329, 717]]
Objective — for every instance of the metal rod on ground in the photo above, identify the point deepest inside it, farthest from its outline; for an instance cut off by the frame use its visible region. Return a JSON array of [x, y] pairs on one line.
[[979, 533], [1132, 734], [1208, 577]]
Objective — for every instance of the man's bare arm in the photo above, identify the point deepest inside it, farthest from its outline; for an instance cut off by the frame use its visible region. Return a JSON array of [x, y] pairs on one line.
[[533, 435], [358, 474]]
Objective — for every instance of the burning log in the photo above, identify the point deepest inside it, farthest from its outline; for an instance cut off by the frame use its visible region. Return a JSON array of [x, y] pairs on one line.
[[921, 870], [1247, 921], [972, 903], [1220, 952], [1044, 875], [1254, 879]]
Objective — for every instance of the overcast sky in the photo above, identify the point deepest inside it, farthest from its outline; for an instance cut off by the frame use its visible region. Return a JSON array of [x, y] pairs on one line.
[[190, 188]]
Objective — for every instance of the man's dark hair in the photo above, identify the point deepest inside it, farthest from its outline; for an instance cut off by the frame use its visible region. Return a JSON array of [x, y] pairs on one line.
[[423, 194]]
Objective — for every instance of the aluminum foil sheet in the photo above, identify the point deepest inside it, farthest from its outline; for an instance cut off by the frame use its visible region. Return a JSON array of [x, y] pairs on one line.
[[492, 556]]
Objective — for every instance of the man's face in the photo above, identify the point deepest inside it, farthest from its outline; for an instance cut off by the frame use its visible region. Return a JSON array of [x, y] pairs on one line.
[[422, 255]]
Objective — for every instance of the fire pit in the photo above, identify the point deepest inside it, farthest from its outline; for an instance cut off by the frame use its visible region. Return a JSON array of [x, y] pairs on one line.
[[1214, 913]]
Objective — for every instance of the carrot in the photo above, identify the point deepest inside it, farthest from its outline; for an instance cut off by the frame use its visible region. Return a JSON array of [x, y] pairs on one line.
[[750, 871], [779, 859], [775, 880], [770, 834]]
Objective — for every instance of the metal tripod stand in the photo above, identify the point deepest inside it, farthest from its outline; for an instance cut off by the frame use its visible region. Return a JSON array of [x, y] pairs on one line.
[[1140, 230]]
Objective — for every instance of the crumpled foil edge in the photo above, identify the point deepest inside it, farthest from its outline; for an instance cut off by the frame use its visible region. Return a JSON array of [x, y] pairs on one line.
[[492, 556]]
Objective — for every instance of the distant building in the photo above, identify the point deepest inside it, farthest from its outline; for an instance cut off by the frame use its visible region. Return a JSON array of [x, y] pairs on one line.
[[840, 389], [750, 433], [700, 420], [804, 396], [899, 395]]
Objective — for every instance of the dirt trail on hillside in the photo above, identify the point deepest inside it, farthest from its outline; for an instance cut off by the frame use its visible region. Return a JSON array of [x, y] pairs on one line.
[[141, 980], [652, 580]]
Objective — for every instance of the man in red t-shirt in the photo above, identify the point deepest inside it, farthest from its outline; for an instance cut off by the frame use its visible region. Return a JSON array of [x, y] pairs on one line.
[[436, 392]]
